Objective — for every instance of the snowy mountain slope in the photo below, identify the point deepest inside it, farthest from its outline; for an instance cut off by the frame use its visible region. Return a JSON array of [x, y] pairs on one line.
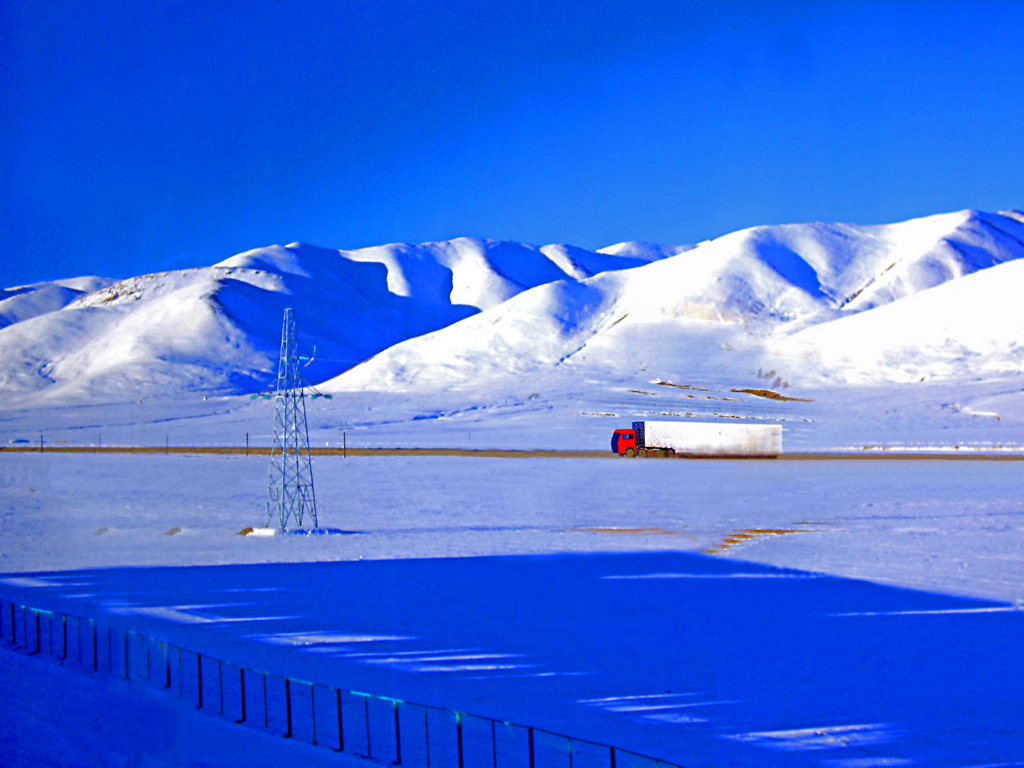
[[582, 264], [857, 267], [806, 272], [149, 334], [217, 328], [525, 335], [728, 295], [467, 313], [645, 251], [966, 328], [465, 271], [790, 272], [28, 301]]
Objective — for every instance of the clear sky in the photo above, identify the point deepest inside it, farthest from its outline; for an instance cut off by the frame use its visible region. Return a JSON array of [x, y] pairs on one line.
[[143, 135]]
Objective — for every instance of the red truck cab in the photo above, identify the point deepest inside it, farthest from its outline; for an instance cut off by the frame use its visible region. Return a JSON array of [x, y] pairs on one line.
[[624, 442]]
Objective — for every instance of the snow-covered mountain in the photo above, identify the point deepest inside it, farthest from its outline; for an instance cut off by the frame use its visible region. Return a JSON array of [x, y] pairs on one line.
[[815, 301], [217, 329], [27, 301], [730, 303]]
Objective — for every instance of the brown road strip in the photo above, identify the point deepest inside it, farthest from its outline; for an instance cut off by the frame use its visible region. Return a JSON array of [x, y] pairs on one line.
[[509, 454]]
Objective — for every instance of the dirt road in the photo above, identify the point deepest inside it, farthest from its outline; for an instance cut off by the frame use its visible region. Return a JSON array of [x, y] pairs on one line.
[[871, 455]]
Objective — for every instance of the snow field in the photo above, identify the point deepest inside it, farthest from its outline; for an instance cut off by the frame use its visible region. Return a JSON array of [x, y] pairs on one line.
[[945, 526], [695, 660], [452, 587]]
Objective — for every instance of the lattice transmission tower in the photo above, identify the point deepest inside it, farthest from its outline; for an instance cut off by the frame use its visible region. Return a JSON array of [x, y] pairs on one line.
[[290, 493]]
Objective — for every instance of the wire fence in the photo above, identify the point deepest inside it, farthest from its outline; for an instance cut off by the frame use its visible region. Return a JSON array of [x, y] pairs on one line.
[[383, 729]]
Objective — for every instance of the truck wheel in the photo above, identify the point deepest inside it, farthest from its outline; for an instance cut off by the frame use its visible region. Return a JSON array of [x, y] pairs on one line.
[[630, 453]]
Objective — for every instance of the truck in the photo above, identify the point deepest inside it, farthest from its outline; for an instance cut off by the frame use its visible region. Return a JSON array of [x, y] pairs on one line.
[[693, 439]]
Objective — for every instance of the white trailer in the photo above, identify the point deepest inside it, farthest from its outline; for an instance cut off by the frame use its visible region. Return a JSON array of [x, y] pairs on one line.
[[705, 439]]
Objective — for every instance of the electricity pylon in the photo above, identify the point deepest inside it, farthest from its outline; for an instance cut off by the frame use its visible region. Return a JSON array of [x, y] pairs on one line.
[[290, 493]]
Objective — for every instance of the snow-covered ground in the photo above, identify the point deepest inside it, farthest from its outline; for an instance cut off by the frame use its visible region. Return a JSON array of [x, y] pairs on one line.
[[943, 416], [955, 527], [952, 527], [857, 340], [58, 718], [694, 660], [572, 594]]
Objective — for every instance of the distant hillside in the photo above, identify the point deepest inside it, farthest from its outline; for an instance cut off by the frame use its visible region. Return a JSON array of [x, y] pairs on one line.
[[27, 301], [217, 329], [729, 304], [930, 297]]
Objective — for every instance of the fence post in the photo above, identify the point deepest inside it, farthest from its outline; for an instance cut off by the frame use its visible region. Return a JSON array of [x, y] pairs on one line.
[[241, 686], [458, 735], [529, 732], [288, 706], [366, 710], [266, 714], [167, 664], [312, 707], [341, 732], [398, 738]]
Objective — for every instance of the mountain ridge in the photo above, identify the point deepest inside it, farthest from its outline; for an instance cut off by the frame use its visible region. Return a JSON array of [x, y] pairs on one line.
[[742, 290], [145, 334], [465, 312]]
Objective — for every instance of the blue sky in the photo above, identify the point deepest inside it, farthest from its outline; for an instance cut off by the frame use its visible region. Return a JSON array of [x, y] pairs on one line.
[[143, 136]]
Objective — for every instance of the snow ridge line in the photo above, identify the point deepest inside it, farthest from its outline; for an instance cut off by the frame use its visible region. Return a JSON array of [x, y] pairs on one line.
[[316, 714]]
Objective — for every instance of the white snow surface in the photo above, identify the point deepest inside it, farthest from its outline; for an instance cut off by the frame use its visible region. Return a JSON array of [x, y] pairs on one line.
[[611, 631], [856, 340], [646, 251], [954, 527]]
